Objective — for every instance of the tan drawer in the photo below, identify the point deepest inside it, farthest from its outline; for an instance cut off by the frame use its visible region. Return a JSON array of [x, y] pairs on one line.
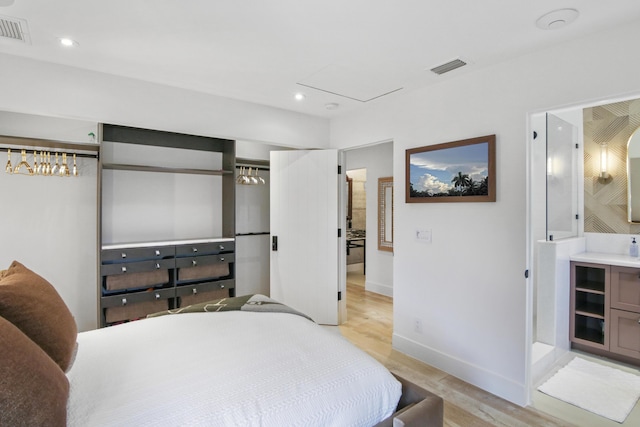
[[205, 248], [204, 272], [135, 305], [137, 254], [204, 288], [136, 267], [136, 280], [625, 288], [204, 267], [625, 333], [203, 296]]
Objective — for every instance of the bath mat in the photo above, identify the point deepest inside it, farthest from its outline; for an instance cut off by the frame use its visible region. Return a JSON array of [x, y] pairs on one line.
[[600, 389]]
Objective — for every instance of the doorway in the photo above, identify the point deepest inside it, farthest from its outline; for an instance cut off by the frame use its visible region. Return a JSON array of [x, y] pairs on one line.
[[357, 224], [571, 210], [366, 265]]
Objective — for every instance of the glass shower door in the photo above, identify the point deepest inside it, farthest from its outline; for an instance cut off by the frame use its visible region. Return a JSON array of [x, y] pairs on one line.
[[562, 180]]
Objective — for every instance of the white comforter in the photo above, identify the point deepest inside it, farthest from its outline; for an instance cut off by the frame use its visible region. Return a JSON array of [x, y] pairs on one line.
[[226, 369]]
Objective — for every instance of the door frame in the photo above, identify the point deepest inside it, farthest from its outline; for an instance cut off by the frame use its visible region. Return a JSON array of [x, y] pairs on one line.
[[529, 233], [343, 219]]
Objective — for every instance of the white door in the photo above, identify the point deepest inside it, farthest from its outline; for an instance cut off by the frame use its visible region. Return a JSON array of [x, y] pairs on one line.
[[304, 232]]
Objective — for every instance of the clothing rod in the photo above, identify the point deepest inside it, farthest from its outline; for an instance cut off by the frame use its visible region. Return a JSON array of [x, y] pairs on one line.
[[30, 144], [257, 168], [38, 150], [259, 233], [252, 163]]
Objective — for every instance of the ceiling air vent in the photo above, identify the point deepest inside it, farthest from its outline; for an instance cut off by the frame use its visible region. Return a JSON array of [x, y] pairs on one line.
[[449, 66], [14, 29]]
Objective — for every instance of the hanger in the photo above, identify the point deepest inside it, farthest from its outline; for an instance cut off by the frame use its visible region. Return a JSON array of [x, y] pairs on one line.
[[23, 163], [64, 169], [9, 168], [56, 167]]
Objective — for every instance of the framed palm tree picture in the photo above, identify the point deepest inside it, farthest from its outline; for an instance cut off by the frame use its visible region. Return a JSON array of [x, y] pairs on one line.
[[458, 171]]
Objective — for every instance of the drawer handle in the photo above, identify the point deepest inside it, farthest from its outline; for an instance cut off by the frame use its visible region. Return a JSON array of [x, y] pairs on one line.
[[124, 301], [124, 269], [221, 258], [194, 290], [157, 295], [157, 252], [194, 262], [124, 255], [221, 286], [195, 249], [221, 247], [157, 265]]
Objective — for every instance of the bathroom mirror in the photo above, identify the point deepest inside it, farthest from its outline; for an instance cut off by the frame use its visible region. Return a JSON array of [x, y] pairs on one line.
[[633, 177], [385, 214]]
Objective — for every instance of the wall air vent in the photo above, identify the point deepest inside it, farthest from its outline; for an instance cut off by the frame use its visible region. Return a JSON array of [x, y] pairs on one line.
[[14, 29], [449, 66]]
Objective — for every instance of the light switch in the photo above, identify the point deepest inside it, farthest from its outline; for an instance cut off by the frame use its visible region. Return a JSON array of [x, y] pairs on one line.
[[423, 236]]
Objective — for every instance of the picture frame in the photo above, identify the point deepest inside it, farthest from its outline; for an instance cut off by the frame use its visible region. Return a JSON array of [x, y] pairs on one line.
[[385, 214], [458, 171]]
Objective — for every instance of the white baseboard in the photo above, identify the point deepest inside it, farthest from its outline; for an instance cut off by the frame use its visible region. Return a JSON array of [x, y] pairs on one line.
[[489, 381], [379, 288]]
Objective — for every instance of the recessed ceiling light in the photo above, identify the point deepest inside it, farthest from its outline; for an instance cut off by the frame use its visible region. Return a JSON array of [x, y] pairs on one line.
[[331, 105], [557, 19], [65, 41], [299, 96]]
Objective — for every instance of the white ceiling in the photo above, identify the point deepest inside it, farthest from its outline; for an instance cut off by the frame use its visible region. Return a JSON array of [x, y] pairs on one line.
[[264, 51]]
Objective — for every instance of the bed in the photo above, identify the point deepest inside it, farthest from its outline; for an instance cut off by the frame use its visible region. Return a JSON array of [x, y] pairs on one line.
[[245, 364]]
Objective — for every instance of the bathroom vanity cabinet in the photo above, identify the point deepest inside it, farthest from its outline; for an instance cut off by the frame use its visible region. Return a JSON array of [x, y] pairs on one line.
[[625, 311], [605, 307]]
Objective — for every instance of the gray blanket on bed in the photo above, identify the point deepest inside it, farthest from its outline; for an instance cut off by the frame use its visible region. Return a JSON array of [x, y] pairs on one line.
[[255, 302]]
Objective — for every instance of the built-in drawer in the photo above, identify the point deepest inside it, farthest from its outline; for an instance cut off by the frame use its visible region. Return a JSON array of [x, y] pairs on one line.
[[625, 288], [135, 305], [131, 281], [194, 261], [136, 267], [188, 300], [137, 254], [625, 333], [208, 267], [205, 248], [201, 292]]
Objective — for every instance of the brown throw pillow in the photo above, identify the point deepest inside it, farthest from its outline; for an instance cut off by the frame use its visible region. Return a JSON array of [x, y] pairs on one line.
[[33, 389], [34, 306]]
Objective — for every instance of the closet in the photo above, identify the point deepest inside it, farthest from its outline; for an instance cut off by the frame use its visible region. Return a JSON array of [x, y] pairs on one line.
[[167, 221], [253, 241]]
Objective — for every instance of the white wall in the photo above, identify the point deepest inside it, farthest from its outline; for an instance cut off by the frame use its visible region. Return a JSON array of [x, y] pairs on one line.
[[378, 160], [468, 287], [47, 89]]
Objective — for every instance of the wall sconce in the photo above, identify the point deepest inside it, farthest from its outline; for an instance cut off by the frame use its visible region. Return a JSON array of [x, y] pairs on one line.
[[604, 177]]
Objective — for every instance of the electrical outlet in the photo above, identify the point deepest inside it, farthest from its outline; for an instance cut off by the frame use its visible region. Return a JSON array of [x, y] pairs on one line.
[[417, 326]]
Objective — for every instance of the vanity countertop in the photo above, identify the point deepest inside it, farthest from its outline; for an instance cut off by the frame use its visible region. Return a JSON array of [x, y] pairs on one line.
[[604, 258]]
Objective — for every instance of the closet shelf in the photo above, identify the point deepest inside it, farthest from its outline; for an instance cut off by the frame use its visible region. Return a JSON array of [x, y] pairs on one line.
[[144, 168]]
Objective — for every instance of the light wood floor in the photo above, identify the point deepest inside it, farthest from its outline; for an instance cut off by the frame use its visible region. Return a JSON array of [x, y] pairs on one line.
[[370, 325]]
